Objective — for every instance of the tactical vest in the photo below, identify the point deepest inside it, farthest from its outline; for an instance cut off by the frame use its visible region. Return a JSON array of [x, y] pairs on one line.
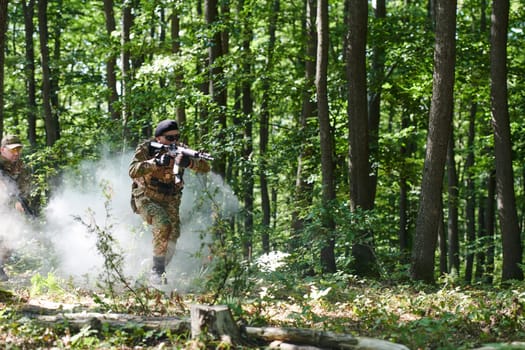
[[163, 183]]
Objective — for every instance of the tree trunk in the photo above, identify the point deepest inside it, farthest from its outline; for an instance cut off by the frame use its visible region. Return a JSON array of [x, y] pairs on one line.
[[303, 188], [453, 232], [374, 105], [507, 213], [111, 62], [361, 183], [175, 49], [54, 76], [490, 221], [125, 67], [440, 124], [3, 30], [359, 169], [247, 113], [404, 240], [264, 128], [471, 197], [481, 246], [406, 150], [326, 139], [29, 11], [51, 124], [443, 248], [216, 75]]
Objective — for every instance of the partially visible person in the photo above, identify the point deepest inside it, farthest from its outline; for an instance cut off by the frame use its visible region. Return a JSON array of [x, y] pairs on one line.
[[15, 183], [157, 191]]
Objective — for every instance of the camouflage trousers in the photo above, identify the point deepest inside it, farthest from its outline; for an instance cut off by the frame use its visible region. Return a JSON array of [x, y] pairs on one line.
[[164, 218]]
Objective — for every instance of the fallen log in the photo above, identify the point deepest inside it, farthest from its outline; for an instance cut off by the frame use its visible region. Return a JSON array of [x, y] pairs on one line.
[[307, 339], [96, 320], [301, 336], [365, 343], [276, 344], [214, 322]]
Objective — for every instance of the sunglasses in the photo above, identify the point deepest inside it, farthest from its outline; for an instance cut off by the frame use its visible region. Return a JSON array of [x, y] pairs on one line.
[[16, 150], [172, 138]]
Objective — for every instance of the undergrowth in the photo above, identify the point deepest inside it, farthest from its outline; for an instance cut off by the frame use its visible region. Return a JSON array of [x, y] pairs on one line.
[[418, 316], [266, 292]]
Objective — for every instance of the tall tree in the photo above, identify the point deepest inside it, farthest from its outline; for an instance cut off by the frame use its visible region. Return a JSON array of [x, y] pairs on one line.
[[111, 62], [217, 87], [326, 138], [377, 81], [29, 11], [247, 113], [175, 49], [470, 209], [405, 150], [443, 248], [507, 213], [471, 188], [440, 124], [56, 58], [489, 224], [50, 120], [125, 64], [453, 197], [264, 125], [361, 183], [303, 188], [3, 30]]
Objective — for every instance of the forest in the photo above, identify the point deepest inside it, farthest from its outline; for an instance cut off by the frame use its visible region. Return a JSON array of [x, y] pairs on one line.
[[367, 175]]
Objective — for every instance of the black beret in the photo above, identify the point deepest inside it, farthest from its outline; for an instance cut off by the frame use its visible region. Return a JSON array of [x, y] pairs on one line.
[[166, 125]]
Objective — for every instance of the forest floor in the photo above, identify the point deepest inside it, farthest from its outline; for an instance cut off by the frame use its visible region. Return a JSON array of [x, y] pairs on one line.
[[444, 316]]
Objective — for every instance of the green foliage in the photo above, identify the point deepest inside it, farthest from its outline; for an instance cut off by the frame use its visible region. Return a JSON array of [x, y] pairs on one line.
[[49, 286], [446, 316]]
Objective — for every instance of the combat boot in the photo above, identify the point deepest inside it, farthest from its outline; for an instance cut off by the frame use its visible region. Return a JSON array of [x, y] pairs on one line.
[[158, 271], [3, 275]]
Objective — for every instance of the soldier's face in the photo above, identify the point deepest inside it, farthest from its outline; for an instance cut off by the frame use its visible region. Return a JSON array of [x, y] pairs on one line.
[[11, 154]]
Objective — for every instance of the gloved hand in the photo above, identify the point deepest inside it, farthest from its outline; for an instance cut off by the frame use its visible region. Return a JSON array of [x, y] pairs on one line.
[[182, 160], [163, 160]]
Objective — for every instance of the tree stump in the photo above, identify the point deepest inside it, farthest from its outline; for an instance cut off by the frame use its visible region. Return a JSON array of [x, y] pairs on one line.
[[214, 321]]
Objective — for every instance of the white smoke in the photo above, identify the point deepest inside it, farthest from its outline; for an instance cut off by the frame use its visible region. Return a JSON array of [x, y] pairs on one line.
[[15, 231], [71, 249]]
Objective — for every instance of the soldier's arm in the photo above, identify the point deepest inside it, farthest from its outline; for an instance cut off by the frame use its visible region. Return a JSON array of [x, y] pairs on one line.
[[141, 164]]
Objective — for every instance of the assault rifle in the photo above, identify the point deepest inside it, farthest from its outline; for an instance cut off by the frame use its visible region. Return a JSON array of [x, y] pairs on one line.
[[15, 195], [174, 151]]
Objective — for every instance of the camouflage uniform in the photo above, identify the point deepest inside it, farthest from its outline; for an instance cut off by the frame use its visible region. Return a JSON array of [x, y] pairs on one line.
[[16, 179], [156, 196]]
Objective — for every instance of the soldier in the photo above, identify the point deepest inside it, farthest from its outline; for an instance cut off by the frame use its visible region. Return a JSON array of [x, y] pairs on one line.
[[157, 190], [15, 181]]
